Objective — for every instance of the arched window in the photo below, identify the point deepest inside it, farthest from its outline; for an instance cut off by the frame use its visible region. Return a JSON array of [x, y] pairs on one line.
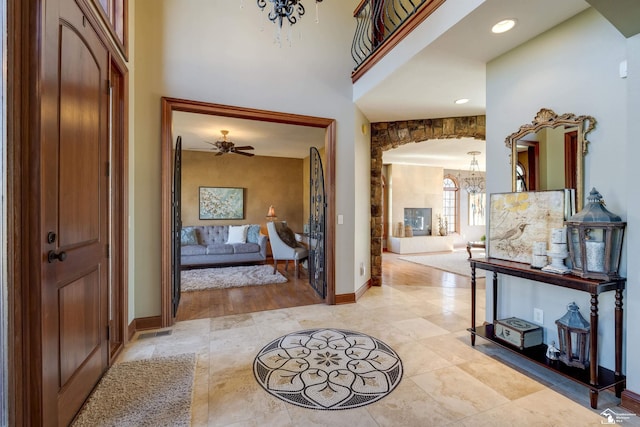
[[521, 181], [451, 203], [476, 209]]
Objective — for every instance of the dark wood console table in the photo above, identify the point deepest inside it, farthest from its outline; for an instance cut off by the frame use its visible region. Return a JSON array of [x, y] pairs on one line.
[[596, 378]]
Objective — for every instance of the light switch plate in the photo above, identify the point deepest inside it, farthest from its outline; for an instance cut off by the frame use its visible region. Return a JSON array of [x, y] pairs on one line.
[[623, 69], [538, 316]]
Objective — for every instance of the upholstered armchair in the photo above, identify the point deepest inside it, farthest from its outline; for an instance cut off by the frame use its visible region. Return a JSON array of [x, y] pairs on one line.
[[284, 246]]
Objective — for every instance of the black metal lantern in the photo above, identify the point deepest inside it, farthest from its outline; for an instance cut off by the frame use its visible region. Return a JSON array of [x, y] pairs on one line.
[[573, 336], [595, 240]]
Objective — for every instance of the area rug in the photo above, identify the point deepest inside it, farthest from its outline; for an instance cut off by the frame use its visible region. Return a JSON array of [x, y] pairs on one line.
[[328, 369], [150, 392], [229, 277], [455, 262]]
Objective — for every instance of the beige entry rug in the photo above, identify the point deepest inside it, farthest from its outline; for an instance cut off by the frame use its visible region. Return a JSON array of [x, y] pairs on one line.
[[328, 369], [455, 262], [229, 277], [150, 392]]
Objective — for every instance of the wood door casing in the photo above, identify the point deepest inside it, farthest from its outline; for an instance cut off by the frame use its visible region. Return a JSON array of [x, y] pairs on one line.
[[75, 209], [169, 105], [118, 326]]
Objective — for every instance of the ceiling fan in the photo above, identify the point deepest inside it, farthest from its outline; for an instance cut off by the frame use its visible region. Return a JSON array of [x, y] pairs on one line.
[[225, 146]]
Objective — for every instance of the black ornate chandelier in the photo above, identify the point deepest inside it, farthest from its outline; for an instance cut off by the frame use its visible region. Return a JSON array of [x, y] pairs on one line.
[[292, 10]]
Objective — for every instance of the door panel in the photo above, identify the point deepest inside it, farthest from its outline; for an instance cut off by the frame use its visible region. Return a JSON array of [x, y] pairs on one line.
[[80, 97], [79, 316], [317, 225], [75, 211], [176, 226]]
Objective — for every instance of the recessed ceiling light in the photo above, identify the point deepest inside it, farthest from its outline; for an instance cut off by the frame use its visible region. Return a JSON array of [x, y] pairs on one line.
[[461, 101], [503, 26]]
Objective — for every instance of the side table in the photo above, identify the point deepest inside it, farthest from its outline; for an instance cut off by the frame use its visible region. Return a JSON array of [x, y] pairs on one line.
[[596, 378], [474, 245]]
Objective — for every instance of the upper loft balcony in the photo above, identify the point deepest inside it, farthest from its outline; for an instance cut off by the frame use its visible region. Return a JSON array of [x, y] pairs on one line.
[[381, 25], [414, 58]]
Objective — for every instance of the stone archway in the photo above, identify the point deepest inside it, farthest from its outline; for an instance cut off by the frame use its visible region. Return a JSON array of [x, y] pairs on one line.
[[388, 135]]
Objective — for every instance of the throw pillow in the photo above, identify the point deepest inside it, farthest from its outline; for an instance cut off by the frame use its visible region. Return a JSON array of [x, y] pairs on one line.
[[188, 236], [253, 233], [287, 235], [237, 234]]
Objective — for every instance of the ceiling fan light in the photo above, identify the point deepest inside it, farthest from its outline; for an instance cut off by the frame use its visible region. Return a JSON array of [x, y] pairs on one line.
[[224, 146]]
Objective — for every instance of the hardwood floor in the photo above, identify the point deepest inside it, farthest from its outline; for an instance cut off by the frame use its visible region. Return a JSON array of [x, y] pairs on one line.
[[396, 272], [297, 291], [248, 299]]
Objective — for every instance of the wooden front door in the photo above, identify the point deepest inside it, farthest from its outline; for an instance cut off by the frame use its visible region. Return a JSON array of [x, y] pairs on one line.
[[75, 211]]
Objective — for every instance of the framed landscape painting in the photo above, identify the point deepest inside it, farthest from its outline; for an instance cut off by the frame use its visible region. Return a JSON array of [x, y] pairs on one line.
[[519, 219], [221, 203]]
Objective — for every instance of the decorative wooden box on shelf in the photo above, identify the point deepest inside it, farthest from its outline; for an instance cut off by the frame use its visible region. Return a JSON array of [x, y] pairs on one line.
[[596, 378]]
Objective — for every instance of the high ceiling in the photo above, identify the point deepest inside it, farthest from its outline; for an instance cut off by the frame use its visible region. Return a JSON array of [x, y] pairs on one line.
[[268, 139], [444, 153], [425, 86], [453, 65]]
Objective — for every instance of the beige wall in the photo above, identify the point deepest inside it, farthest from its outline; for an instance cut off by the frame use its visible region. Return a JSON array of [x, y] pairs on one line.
[[266, 181], [582, 52], [176, 54], [362, 200], [414, 187]]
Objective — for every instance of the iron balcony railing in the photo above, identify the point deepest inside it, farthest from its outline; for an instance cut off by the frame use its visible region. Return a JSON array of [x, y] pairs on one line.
[[378, 22]]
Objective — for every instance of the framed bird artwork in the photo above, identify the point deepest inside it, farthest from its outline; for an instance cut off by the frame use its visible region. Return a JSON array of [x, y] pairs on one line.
[[518, 219]]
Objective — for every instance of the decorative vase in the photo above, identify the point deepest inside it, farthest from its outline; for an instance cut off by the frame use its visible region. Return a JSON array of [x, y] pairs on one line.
[[408, 231], [443, 231]]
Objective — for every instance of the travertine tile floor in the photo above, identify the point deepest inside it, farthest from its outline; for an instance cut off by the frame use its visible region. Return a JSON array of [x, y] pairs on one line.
[[446, 381]]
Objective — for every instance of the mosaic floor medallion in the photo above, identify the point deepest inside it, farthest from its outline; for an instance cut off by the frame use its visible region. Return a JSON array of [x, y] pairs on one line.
[[328, 369]]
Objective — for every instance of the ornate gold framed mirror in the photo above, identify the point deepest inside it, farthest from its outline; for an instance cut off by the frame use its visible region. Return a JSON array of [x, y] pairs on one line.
[[548, 154]]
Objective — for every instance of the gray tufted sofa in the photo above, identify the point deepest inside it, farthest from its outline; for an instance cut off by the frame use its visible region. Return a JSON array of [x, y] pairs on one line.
[[207, 245]]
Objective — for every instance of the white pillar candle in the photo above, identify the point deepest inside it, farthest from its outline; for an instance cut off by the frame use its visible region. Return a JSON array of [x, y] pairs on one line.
[[595, 256], [558, 235], [540, 248], [538, 261]]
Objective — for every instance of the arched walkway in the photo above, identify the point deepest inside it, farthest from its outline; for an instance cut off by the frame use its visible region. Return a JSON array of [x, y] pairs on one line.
[[388, 135]]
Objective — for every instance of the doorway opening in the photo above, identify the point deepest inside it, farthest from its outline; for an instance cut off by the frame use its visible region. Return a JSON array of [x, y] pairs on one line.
[[385, 136], [171, 105]]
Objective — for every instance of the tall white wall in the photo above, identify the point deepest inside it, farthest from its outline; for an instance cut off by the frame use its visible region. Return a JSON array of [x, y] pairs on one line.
[[413, 186], [216, 51], [571, 68], [633, 214]]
